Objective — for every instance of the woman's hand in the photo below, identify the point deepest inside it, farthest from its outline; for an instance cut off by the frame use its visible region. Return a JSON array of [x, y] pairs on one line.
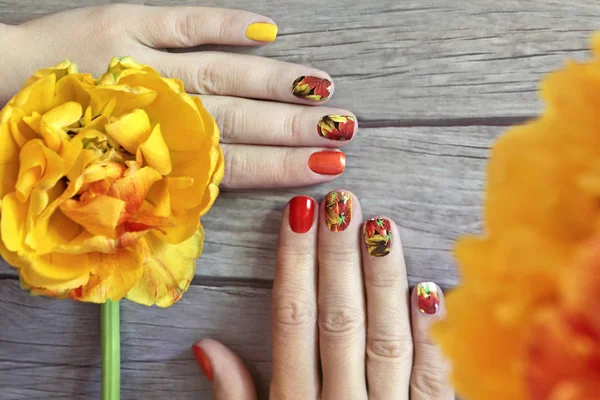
[[272, 134], [351, 318]]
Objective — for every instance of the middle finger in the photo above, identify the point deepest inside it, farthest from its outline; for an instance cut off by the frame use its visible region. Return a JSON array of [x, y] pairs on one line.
[[245, 121], [341, 298]]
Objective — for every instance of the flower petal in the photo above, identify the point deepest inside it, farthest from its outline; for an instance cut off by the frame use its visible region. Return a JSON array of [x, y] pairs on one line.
[[131, 130], [54, 121], [115, 275], [12, 223], [98, 214], [156, 152], [57, 271], [168, 270]]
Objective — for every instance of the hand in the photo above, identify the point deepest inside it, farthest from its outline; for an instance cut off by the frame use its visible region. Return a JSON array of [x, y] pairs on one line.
[[267, 141], [369, 336]]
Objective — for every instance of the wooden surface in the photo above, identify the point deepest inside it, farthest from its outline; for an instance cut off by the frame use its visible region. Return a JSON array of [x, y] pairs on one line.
[[433, 82]]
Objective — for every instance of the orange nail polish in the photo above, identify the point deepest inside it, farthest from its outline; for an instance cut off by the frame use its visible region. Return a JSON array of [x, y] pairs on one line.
[[203, 362], [327, 162]]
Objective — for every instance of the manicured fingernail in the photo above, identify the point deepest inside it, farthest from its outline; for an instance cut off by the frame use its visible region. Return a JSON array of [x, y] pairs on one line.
[[337, 127], [262, 32], [203, 362], [427, 298], [311, 88], [378, 236], [302, 213], [327, 162], [338, 210]]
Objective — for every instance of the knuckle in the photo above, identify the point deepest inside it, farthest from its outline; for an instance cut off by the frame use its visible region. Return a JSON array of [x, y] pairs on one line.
[[331, 253], [285, 173], [341, 322], [385, 279], [293, 126], [205, 77], [393, 350], [293, 311], [186, 29], [428, 382], [230, 119], [233, 166]]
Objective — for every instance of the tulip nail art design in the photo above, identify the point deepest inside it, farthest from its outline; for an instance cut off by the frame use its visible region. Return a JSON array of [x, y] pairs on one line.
[[311, 88], [378, 236], [427, 298], [337, 127], [338, 210]]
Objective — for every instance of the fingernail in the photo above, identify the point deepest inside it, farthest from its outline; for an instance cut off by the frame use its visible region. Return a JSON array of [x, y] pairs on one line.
[[302, 213], [311, 88], [378, 236], [427, 298], [203, 362], [337, 127], [338, 210], [262, 32], [327, 162]]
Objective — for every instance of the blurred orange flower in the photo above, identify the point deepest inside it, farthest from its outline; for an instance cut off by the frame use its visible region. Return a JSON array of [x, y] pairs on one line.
[[102, 183], [525, 322]]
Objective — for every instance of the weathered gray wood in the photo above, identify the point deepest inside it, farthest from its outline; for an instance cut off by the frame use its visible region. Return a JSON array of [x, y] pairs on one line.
[[50, 349], [412, 60], [428, 179]]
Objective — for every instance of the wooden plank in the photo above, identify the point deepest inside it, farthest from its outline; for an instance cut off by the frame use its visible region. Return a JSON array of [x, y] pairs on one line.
[[428, 179], [412, 60], [50, 349]]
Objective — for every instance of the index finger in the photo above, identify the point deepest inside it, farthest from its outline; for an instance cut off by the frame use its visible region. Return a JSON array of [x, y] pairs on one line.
[[294, 308]]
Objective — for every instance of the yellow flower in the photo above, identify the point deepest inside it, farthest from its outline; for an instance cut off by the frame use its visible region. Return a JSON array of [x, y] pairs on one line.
[[102, 183], [524, 324]]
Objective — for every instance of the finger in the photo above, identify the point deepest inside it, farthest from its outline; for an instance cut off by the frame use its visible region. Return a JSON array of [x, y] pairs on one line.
[[230, 378], [430, 372], [185, 27], [241, 75], [248, 167], [294, 304], [245, 121], [389, 337], [341, 299]]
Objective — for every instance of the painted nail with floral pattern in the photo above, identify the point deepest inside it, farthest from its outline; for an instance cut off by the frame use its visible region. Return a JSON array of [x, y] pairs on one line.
[[378, 236], [427, 298], [337, 127], [338, 210], [311, 88]]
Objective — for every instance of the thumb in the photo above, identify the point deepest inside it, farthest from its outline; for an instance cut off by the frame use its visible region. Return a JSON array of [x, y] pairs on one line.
[[230, 378]]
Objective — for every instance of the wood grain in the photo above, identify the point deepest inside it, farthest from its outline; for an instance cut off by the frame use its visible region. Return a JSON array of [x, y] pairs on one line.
[[427, 179], [412, 60], [50, 349]]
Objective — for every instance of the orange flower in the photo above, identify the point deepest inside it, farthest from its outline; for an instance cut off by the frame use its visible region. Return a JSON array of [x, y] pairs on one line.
[[103, 182], [524, 324]]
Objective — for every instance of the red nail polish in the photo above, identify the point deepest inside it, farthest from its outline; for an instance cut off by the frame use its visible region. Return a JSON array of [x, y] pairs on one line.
[[302, 213], [327, 162], [203, 362]]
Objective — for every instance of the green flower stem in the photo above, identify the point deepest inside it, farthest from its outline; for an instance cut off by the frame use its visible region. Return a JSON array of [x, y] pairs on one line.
[[111, 351]]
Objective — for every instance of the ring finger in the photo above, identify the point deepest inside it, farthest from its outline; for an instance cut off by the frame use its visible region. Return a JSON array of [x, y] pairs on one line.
[[389, 339], [241, 75]]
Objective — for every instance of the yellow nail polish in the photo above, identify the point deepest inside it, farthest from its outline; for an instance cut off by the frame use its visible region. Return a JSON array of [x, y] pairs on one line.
[[262, 32]]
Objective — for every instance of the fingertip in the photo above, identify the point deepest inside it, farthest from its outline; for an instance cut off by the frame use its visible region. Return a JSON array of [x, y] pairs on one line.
[[262, 32], [203, 360], [301, 214], [427, 300]]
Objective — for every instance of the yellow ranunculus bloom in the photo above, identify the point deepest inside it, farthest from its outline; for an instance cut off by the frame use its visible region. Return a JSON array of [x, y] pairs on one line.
[[103, 181], [525, 322]]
